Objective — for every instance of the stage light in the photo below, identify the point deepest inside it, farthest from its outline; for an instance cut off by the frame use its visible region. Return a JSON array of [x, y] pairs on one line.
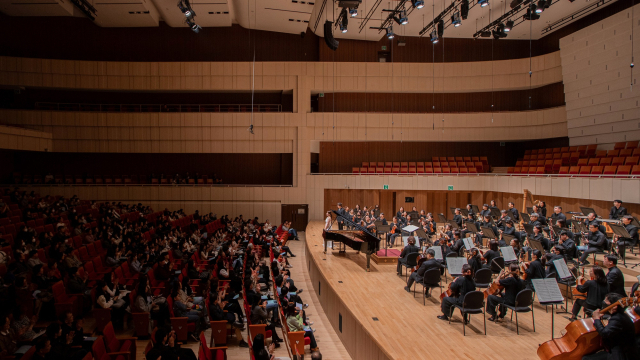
[[195, 27], [464, 9], [483, 3], [540, 7], [390, 33], [353, 12], [455, 19], [402, 19], [186, 10], [508, 26], [434, 37], [418, 4], [499, 32], [531, 13]]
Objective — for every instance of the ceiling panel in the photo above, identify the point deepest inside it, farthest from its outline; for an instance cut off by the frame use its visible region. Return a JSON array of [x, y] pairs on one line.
[[126, 13], [286, 16], [209, 13], [36, 7]]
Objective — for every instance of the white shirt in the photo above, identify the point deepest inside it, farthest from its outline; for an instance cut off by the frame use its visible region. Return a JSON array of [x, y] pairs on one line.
[[327, 223]]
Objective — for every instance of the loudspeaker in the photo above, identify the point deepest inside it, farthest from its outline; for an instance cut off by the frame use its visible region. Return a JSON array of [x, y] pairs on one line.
[[332, 43], [302, 34], [464, 9], [408, 199], [440, 28]]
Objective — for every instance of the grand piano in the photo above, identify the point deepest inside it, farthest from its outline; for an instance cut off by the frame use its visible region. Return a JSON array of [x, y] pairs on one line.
[[358, 238]]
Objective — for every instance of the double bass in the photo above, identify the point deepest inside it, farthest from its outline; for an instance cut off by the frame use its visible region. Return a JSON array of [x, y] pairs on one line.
[[581, 337]]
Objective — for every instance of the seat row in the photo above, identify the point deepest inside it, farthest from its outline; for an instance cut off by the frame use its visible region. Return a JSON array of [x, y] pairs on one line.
[[108, 180], [621, 170]]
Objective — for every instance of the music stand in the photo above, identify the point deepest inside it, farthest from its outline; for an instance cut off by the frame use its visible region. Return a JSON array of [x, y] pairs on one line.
[[548, 293], [507, 238], [635, 222], [475, 209], [536, 245], [508, 254], [488, 232], [384, 229], [565, 275], [528, 228], [529, 210], [454, 224], [586, 211], [453, 210], [454, 266], [495, 213], [472, 227], [468, 244], [623, 233], [413, 214], [442, 218], [423, 235], [438, 251], [525, 218]]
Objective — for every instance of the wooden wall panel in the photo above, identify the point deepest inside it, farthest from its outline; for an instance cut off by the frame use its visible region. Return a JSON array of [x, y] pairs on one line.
[[441, 201], [510, 100], [340, 157]]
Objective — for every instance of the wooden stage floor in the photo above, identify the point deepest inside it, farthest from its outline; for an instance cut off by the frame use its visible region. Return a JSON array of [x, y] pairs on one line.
[[407, 329]]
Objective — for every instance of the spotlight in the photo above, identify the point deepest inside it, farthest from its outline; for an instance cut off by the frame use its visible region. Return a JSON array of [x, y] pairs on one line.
[[402, 19], [483, 3], [353, 12], [418, 4], [195, 27], [531, 13], [540, 7], [434, 37], [390, 33], [464, 9], [499, 33], [455, 19], [508, 26], [186, 10]]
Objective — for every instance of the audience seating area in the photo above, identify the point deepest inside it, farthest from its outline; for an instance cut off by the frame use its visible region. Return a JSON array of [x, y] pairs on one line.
[[19, 178], [623, 160], [437, 165]]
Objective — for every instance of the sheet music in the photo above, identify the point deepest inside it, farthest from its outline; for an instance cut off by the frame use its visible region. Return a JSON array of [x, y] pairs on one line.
[[562, 269], [410, 228], [468, 244], [508, 254], [454, 265], [547, 290], [438, 251]]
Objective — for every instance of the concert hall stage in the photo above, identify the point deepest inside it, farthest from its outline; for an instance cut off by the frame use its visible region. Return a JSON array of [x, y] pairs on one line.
[[380, 320]]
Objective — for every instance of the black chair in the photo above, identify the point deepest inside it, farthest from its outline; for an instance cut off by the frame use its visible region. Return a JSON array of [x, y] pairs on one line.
[[524, 304], [497, 264], [483, 278], [410, 261], [430, 280], [473, 303]]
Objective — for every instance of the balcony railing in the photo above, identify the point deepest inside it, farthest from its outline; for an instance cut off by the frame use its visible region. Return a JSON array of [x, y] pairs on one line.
[[159, 107]]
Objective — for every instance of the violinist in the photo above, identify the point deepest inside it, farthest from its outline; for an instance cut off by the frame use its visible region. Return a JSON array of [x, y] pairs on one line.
[[539, 236], [423, 215], [372, 215], [370, 224], [595, 243], [458, 244], [474, 259], [514, 212], [485, 212], [596, 289], [460, 287], [409, 249], [618, 336], [493, 205], [457, 217], [403, 219], [617, 211], [502, 222], [430, 263], [432, 224], [486, 223], [624, 242], [394, 232], [490, 254], [382, 219], [517, 249], [535, 269], [400, 212], [512, 286]]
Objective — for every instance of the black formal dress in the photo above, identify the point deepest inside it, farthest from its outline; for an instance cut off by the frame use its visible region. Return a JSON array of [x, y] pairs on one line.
[[512, 286], [616, 281]]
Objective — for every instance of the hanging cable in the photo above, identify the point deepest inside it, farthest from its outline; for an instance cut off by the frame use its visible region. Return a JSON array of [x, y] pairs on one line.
[[633, 3], [443, 75], [492, 41], [530, 54], [433, 68]]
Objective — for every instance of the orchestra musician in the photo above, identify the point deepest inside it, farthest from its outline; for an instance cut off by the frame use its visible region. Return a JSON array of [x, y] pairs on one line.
[[624, 242], [382, 219], [486, 223], [558, 215], [491, 254], [432, 224], [470, 210], [535, 269], [485, 211], [369, 224], [617, 211], [591, 219], [474, 259], [394, 232], [568, 244], [460, 287], [400, 212], [493, 205], [423, 215], [340, 219], [514, 212], [508, 230], [542, 209], [430, 263], [409, 249], [458, 244], [521, 235], [595, 242], [614, 275], [512, 286], [541, 218], [617, 336], [457, 217], [504, 217], [470, 219], [517, 249], [539, 236], [596, 289]]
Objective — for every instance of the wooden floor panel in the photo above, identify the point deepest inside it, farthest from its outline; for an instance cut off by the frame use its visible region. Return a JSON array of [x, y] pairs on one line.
[[405, 328]]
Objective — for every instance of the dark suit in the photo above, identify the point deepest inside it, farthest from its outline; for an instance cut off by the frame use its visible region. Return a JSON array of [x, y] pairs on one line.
[[632, 241], [418, 275], [555, 217], [512, 287], [616, 281], [515, 213], [458, 219], [616, 213], [535, 271], [597, 243], [618, 337], [409, 249], [461, 286], [340, 218]]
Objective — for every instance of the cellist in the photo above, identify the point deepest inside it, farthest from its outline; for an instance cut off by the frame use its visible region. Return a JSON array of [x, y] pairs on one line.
[[618, 336], [596, 290], [512, 286], [460, 287]]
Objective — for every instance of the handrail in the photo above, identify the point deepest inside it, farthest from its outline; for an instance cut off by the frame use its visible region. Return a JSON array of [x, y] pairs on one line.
[[158, 107], [493, 175], [143, 185]]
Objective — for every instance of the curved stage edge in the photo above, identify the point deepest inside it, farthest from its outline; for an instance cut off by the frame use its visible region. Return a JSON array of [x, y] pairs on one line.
[[403, 327]]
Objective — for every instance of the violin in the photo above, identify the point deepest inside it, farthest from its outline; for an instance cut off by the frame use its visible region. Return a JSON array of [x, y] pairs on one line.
[[523, 267], [577, 294], [393, 229], [581, 336]]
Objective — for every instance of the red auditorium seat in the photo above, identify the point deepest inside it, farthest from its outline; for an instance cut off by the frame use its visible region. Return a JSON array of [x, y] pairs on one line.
[[631, 160], [613, 153], [593, 161], [617, 161], [597, 170], [574, 170], [626, 152], [599, 154], [563, 170], [585, 170], [590, 150], [583, 162], [609, 170], [605, 161], [623, 170], [635, 170], [620, 145], [632, 144], [354, 170]]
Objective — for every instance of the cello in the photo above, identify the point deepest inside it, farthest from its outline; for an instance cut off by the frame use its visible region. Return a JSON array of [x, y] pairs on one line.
[[577, 294], [581, 337], [495, 287]]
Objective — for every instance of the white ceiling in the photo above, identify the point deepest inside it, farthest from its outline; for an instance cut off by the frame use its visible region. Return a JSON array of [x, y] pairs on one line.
[[288, 16]]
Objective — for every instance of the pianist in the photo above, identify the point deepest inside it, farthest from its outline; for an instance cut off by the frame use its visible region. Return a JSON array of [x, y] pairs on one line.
[[617, 211]]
